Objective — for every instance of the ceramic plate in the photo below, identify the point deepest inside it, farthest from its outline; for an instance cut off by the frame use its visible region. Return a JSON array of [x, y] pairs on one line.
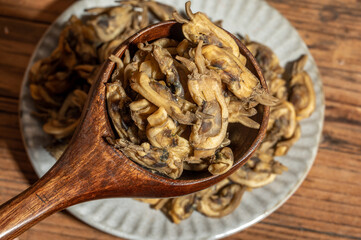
[[134, 220]]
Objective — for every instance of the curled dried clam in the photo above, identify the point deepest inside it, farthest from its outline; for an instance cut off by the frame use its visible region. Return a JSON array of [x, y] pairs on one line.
[[302, 94], [283, 131], [220, 200], [156, 134], [200, 28], [180, 96]]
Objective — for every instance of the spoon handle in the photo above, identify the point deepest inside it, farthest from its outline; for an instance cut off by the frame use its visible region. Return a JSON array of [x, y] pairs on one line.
[[81, 174], [31, 206]]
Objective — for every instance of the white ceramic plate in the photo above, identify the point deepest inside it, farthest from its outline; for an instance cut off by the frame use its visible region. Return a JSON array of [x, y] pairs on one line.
[[134, 220]]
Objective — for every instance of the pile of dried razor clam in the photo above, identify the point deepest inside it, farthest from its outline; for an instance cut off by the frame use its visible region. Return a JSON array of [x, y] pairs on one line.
[[295, 92], [181, 96], [59, 86], [59, 83]]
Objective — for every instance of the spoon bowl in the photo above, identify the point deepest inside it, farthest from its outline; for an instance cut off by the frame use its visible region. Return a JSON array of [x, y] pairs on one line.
[[90, 168]]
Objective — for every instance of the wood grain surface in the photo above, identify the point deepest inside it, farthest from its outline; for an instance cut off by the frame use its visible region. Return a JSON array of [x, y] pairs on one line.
[[326, 206]]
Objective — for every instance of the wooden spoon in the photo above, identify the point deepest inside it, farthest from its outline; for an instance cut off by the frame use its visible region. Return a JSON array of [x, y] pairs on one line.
[[92, 169]]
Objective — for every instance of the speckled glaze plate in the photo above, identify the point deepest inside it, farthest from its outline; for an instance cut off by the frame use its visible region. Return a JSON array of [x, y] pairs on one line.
[[131, 219]]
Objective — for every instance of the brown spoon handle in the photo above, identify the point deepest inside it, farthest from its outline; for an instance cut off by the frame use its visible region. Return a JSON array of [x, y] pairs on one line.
[[31, 206], [80, 175]]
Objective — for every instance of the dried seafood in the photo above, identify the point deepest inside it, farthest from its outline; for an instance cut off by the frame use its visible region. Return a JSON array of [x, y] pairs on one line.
[[66, 75], [283, 131], [302, 94], [60, 82], [183, 91]]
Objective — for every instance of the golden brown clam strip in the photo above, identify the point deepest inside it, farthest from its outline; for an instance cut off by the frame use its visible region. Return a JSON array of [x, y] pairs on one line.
[[302, 94], [200, 28], [185, 92], [192, 95]]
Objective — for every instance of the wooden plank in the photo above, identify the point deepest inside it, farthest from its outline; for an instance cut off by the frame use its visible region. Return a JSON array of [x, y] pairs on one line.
[[19, 31], [71, 228], [16, 47], [327, 206], [37, 11], [335, 41], [9, 105], [269, 230]]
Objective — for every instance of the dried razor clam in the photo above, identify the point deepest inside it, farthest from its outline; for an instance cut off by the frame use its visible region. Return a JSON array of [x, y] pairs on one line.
[[239, 79], [206, 90], [283, 120], [117, 100], [201, 28], [158, 159], [161, 96], [162, 11], [278, 88], [161, 132], [221, 162], [266, 59], [180, 208], [189, 82], [140, 111], [60, 82], [220, 200], [238, 113], [63, 123], [166, 65], [283, 146], [302, 94], [283, 131], [252, 179], [83, 45], [110, 22]]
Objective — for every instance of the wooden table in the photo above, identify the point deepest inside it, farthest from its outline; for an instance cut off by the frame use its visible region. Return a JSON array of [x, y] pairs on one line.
[[327, 205]]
